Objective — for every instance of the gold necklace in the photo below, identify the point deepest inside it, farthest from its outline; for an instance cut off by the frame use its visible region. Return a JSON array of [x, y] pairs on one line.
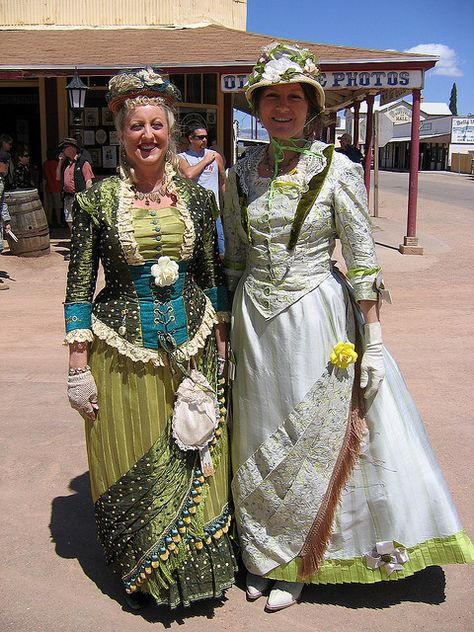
[[152, 196], [282, 166]]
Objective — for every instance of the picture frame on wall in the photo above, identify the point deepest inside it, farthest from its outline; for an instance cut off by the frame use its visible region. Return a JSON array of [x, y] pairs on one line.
[[109, 156], [101, 136], [91, 117], [89, 137], [107, 116], [114, 138], [96, 156], [211, 117]]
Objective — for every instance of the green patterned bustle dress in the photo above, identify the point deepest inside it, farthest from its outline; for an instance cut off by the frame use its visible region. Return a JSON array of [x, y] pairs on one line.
[[162, 524]]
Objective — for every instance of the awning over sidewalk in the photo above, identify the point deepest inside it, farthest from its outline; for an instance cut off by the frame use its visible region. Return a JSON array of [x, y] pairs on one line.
[[213, 48], [434, 138]]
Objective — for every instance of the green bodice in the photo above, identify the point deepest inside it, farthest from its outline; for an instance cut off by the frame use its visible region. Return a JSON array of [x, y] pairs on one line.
[[158, 232]]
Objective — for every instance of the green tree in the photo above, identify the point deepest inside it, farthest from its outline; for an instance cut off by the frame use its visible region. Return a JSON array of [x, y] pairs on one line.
[[453, 100]]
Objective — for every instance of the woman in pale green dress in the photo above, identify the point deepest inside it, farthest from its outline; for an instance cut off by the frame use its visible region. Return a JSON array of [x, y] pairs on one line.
[[162, 518], [329, 486]]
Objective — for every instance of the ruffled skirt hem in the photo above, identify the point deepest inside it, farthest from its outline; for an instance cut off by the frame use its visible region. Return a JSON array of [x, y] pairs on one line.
[[454, 549]]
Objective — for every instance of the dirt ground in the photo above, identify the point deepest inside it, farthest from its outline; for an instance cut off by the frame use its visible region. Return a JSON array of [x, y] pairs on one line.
[[53, 577]]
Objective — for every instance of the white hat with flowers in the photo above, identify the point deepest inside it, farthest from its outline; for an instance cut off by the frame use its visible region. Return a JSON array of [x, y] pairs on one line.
[[285, 63]]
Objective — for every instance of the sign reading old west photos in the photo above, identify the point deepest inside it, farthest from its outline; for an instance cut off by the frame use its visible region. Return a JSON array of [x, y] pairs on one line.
[[346, 80]]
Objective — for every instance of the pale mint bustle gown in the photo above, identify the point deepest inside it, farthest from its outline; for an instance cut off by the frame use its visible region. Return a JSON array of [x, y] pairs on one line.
[[291, 404]]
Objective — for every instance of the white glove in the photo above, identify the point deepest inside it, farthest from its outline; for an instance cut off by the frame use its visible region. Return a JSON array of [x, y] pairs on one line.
[[372, 370], [82, 394]]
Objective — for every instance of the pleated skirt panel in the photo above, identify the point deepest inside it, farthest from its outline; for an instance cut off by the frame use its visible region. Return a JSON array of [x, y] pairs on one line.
[[133, 427]]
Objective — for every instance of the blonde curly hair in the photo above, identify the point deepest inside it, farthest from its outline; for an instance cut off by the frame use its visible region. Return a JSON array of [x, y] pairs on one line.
[[120, 116]]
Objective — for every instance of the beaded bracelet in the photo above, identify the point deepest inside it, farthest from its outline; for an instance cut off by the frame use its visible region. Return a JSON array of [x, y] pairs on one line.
[[78, 370]]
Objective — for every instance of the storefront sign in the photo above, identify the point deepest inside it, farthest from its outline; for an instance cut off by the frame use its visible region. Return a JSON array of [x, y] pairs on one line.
[[346, 80], [233, 83], [354, 80], [462, 130], [400, 114]]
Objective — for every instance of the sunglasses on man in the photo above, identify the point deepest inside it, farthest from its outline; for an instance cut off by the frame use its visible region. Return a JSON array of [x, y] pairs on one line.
[[200, 136]]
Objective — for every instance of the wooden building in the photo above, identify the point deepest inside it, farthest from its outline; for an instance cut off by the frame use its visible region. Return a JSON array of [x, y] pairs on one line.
[[202, 46]]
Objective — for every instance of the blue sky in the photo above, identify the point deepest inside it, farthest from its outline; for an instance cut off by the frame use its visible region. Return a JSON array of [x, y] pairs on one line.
[[433, 27]]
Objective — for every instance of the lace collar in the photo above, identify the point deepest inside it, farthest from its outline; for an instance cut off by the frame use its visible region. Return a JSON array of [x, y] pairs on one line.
[[125, 221], [309, 165]]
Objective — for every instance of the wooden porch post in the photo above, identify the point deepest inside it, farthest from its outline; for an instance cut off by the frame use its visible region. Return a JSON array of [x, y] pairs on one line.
[[410, 241], [355, 135], [368, 141], [227, 114]]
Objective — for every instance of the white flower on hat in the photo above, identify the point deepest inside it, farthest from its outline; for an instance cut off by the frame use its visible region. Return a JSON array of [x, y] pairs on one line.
[[150, 77], [310, 67], [165, 272], [275, 68]]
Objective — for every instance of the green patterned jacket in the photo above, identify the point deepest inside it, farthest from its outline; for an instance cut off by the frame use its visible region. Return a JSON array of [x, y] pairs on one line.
[[131, 313]]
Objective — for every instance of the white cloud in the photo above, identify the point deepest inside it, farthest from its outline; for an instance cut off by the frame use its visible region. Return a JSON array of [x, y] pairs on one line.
[[448, 64]]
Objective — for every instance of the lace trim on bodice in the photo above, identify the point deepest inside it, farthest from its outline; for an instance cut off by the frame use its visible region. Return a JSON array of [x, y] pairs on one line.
[[125, 222], [308, 166]]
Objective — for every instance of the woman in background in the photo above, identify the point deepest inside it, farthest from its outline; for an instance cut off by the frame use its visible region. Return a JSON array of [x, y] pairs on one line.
[[24, 176]]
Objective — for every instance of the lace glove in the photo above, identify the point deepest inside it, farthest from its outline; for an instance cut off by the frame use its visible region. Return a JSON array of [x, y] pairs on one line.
[[82, 393], [372, 370]]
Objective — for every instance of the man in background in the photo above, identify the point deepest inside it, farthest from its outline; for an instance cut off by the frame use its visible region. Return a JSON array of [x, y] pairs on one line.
[[5, 215], [349, 149], [206, 167], [75, 174], [53, 203], [6, 144]]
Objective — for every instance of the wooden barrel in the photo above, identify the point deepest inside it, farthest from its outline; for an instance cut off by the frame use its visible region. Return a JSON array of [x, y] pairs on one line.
[[29, 224]]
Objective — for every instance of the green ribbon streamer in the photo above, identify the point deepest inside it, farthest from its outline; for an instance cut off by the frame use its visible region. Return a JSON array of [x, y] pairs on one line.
[[279, 149], [307, 200]]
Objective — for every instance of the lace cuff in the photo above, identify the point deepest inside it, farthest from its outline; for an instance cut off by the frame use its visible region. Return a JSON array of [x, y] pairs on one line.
[[79, 335], [368, 285]]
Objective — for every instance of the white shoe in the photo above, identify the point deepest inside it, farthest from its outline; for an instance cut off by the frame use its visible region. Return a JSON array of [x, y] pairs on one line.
[[256, 586], [283, 595]]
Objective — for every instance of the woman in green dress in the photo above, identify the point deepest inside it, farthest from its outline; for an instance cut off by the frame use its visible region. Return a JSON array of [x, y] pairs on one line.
[[160, 495]]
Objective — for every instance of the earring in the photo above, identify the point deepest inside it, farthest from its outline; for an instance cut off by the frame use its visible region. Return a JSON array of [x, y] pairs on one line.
[[123, 156]]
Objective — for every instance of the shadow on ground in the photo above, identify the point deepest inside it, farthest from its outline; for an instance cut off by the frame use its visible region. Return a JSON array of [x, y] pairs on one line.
[[74, 534], [427, 586], [73, 531]]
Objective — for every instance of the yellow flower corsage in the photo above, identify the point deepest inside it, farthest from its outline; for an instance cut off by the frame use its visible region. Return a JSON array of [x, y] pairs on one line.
[[343, 354]]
